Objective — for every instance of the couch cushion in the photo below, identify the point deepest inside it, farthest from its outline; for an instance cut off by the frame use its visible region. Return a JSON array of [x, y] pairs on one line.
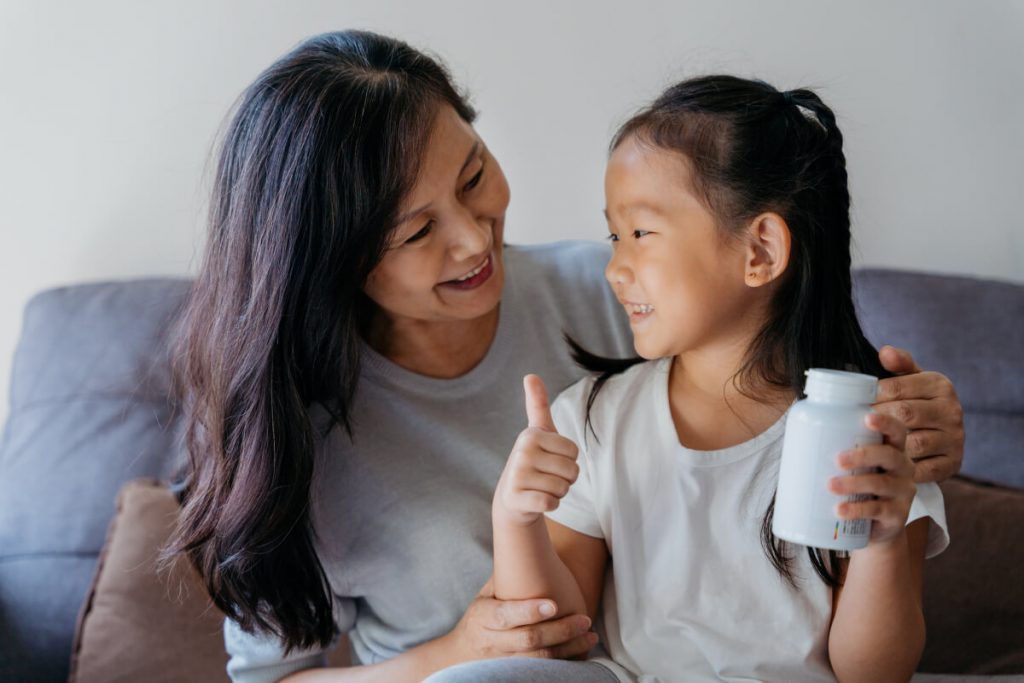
[[88, 411], [973, 595], [140, 625], [971, 330]]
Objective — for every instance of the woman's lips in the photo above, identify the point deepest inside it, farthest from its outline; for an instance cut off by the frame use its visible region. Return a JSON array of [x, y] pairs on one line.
[[484, 273]]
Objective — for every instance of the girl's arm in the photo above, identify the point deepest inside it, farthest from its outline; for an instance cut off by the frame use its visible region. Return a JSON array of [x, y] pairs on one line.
[[539, 472], [877, 631]]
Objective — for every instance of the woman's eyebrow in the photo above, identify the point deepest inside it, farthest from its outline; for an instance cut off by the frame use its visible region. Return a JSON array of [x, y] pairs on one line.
[[415, 212]]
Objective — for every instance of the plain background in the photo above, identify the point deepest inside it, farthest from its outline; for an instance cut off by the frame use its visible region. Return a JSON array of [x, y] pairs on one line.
[[109, 110]]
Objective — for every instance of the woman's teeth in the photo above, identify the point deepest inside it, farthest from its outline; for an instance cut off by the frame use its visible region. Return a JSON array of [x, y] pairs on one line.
[[475, 271], [640, 308]]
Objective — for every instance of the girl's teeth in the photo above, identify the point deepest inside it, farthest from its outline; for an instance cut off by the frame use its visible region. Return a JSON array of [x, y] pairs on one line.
[[474, 272], [641, 308]]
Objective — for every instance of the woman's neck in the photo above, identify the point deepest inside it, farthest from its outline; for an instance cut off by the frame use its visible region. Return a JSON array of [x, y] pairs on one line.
[[709, 410], [443, 350]]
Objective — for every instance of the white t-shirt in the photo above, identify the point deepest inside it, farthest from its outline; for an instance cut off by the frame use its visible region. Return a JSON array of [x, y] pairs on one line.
[[690, 594]]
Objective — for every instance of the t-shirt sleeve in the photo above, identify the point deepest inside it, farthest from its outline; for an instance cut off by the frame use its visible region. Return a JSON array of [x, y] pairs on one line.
[[577, 510], [929, 503], [260, 657]]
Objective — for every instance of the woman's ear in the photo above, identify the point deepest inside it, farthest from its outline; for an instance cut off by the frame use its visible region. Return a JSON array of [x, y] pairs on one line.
[[767, 249]]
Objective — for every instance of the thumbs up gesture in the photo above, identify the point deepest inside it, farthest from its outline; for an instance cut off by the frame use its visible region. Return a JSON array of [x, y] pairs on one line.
[[541, 467]]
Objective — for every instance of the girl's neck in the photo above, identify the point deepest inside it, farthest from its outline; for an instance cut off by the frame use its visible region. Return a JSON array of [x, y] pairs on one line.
[[709, 410]]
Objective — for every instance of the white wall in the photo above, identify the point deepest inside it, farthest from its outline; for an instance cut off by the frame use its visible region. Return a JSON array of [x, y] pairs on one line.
[[108, 110]]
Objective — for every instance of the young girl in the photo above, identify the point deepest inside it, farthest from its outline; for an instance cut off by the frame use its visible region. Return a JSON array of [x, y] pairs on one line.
[[728, 210]]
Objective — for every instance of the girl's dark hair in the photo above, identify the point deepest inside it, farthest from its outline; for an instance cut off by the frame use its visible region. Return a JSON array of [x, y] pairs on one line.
[[753, 149], [318, 155]]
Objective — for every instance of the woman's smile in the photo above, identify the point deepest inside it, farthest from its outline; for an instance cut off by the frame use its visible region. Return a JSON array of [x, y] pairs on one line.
[[474, 278]]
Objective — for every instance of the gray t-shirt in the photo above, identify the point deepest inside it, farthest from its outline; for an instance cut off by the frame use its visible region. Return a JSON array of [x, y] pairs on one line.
[[402, 509]]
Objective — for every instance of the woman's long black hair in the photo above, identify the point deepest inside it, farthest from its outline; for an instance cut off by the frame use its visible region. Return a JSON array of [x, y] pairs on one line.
[[754, 149], [319, 153]]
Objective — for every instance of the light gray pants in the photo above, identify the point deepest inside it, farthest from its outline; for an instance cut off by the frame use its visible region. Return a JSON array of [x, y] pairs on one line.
[[524, 670]]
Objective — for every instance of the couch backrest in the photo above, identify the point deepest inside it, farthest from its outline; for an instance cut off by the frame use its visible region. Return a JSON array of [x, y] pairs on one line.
[[972, 330], [89, 410]]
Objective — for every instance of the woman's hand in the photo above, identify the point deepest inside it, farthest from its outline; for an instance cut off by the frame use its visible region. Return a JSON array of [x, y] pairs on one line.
[[502, 628], [541, 467], [927, 404], [886, 478]]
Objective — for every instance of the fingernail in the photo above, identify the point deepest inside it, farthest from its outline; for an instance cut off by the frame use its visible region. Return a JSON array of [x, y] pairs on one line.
[[833, 483], [547, 609], [592, 638], [583, 623]]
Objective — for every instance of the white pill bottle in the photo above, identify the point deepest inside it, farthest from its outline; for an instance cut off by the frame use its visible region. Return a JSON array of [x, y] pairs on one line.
[[829, 420]]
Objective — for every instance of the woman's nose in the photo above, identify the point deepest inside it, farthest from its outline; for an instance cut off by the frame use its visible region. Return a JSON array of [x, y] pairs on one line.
[[471, 238]]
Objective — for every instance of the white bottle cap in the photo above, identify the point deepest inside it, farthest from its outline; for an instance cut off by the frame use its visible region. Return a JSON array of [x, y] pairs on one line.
[[840, 387]]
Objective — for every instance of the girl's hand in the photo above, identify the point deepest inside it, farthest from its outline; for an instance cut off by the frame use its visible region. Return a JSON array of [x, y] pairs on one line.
[[889, 480], [502, 628], [927, 403], [541, 467]]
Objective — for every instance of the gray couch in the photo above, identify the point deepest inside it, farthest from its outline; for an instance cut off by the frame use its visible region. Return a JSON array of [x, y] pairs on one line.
[[89, 410]]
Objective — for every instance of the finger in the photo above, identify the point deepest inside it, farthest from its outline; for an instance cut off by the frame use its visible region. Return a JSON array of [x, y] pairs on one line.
[[557, 465], [538, 409], [928, 443], [935, 468], [880, 485], [547, 634], [868, 509], [897, 361], [915, 386], [556, 444], [580, 645], [540, 482], [502, 615], [893, 431], [884, 456], [917, 413]]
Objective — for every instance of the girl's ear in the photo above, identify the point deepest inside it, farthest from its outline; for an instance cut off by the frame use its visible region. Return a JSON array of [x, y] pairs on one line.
[[767, 249]]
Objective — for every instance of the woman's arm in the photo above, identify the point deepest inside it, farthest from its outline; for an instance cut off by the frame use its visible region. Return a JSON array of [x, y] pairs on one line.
[[489, 628], [877, 631]]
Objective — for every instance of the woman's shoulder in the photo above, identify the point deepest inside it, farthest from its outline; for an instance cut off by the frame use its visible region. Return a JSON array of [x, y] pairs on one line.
[[570, 261]]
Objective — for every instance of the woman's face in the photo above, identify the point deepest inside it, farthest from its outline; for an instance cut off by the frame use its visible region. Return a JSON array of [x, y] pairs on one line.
[[444, 258]]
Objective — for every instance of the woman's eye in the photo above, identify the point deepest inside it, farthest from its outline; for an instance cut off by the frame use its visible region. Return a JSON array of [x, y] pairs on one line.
[[423, 232], [474, 181]]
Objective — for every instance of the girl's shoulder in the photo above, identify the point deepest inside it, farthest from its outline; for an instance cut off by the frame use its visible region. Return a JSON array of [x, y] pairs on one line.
[[616, 399]]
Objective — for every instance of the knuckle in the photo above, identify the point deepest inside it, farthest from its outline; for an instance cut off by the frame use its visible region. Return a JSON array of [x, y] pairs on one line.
[[904, 412]]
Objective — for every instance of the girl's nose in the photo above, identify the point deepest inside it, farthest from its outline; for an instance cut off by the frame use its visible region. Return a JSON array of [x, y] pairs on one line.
[[618, 272]]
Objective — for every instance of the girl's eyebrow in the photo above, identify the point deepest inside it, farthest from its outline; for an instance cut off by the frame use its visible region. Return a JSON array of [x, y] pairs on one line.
[[415, 212], [637, 206]]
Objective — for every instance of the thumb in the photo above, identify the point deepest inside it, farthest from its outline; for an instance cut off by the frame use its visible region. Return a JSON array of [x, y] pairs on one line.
[[538, 410], [897, 361]]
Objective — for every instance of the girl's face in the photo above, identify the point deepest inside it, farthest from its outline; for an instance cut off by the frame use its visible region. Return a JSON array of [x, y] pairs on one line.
[[444, 259], [679, 276]]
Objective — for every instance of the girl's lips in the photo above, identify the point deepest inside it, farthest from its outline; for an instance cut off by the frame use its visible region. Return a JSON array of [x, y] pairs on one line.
[[475, 281]]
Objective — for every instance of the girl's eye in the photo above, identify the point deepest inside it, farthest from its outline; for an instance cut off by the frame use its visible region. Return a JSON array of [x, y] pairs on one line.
[[423, 232], [474, 181], [640, 233], [612, 237]]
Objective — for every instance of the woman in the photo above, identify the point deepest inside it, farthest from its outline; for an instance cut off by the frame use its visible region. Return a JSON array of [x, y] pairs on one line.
[[352, 359]]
